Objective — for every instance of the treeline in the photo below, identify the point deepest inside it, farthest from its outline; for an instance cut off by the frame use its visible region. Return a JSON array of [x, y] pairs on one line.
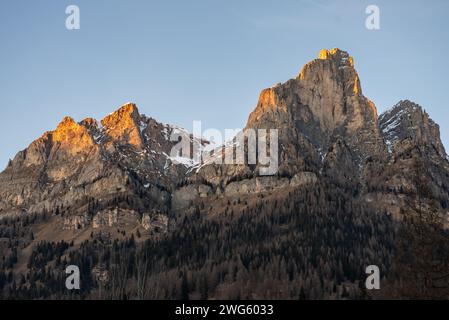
[[310, 244], [305, 244]]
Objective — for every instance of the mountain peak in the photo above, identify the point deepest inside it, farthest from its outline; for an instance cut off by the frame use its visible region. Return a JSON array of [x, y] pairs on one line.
[[123, 124], [407, 124], [127, 110], [332, 64], [401, 108], [72, 136], [89, 123], [66, 128], [323, 102], [338, 55], [66, 122], [408, 105]]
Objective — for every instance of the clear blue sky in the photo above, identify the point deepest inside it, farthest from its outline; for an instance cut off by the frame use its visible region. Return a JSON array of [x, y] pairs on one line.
[[205, 60]]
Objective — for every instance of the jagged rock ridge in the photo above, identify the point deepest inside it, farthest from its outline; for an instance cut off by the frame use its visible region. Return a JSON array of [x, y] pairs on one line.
[[328, 131], [79, 166]]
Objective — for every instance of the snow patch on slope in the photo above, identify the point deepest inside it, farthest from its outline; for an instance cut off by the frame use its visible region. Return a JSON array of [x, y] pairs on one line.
[[395, 116]]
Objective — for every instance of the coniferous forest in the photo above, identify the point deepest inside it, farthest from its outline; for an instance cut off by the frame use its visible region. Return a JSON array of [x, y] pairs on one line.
[[309, 244]]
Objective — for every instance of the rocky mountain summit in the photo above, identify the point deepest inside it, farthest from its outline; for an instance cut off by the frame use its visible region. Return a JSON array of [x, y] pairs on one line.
[[88, 167], [324, 103], [412, 139], [328, 131], [351, 189]]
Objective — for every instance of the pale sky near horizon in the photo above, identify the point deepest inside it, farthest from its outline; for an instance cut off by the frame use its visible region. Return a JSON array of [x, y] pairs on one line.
[[207, 60]]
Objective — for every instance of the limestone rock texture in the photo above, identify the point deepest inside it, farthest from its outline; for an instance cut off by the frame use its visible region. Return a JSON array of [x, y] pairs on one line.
[[323, 121], [329, 129], [84, 171], [414, 144], [119, 171]]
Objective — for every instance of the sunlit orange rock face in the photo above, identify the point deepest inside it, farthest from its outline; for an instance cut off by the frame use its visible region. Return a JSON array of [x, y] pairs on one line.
[[126, 155], [73, 137], [328, 131], [72, 145], [268, 100], [68, 139], [123, 125]]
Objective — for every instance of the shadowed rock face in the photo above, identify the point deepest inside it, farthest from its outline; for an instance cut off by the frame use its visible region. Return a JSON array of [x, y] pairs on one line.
[[317, 113], [406, 124], [328, 131], [323, 103], [411, 136]]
